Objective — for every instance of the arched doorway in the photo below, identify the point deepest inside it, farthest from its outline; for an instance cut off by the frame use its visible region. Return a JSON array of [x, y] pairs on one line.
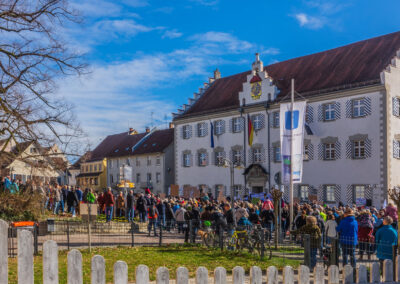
[[256, 177]]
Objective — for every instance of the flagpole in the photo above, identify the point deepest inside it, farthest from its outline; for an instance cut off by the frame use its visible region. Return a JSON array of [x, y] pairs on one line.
[[291, 155]]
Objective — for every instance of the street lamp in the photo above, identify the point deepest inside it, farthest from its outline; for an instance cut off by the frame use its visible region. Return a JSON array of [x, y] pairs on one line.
[[232, 166]]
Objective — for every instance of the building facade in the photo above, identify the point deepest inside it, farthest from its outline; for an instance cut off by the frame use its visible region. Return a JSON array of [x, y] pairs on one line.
[[352, 145], [150, 158]]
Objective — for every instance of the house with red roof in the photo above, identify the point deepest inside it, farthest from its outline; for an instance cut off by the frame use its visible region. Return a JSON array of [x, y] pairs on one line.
[[352, 145]]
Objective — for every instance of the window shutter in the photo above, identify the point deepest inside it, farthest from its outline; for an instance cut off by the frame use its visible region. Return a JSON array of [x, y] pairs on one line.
[[250, 156], [207, 159], [368, 106], [349, 109], [231, 125], [349, 149], [309, 114], [368, 148], [205, 129], [396, 149], [320, 113], [321, 149], [337, 150], [396, 106], [241, 124], [337, 110], [191, 160]]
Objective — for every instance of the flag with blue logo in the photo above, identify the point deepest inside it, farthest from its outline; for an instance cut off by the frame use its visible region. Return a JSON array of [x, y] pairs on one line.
[[212, 135]]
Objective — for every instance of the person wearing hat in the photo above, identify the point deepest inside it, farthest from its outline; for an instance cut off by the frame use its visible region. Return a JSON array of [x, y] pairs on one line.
[[348, 231]]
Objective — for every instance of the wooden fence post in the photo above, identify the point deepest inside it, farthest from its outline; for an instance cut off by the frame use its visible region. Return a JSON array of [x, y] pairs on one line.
[[25, 257], [255, 275], [348, 276], [304, 275], [121, 272], [142, 274], [333, 274], [219, 275], [162, 275], [98, 267], [288, 275], [319, 274], [50, 262], [272, 275], [74, 260], [3, 252], [202, 275], [362, 274], [182, 275], [238, 275], [375, 274], [387, 270]]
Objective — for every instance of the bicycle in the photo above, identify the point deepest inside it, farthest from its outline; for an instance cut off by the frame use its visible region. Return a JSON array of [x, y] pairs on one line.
[[239, 240], [259, 242]]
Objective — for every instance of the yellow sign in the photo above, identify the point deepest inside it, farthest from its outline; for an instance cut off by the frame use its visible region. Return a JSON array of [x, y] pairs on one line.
[[127, 184]]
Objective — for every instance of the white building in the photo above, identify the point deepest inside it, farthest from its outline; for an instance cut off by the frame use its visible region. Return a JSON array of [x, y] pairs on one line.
[[353, 112], [150, 155]]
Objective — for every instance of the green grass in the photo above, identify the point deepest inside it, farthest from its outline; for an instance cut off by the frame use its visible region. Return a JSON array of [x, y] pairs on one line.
[[171, 256]]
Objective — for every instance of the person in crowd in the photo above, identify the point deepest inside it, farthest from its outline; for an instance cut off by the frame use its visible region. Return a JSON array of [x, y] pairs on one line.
[[285, 215], [161, 213], [311, 228], [7, 183], [180, 219], [365, 233], [57, 199], [385, 239], [152, 216], [63, 201], [14, 188], [130, 206], [72, 201], [79, 194], [267, 220], [300, 219], [141, 207], [348, 232], [330, 229], [230, 218], [100, 202], [90, 197], [120, 205], [169, 216], [109, 204], [391, 211]]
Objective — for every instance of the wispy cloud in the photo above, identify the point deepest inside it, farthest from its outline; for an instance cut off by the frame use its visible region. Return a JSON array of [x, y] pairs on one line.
[[171, 34], [309, 21], [212, 40], [120, 27], [206, 2]]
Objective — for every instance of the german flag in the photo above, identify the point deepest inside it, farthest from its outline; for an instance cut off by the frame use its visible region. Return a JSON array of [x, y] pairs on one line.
[[250, 131]]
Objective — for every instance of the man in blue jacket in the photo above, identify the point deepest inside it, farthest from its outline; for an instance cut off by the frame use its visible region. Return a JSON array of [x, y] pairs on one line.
[[348, 231], [385, 239]]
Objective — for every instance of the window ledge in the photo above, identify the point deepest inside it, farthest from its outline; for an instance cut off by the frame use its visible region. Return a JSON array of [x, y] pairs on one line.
[[329, 159], [330, 120], [361, 116]]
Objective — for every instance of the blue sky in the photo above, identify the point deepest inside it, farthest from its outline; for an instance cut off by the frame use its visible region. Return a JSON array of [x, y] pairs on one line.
[[150, 56]]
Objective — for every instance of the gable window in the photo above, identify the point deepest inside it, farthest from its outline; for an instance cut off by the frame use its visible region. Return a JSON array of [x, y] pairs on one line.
[[330, 193], [358, 149], [186, 131], [186, 160], [329, 112], [219, 158], [137, 178], [158, 160], [201, 129], [306, 152], [237, 157], [257, 157], [358, 108], [303, 194], [236, 125], [359, 191], [329, 151], [257, 122], [219, 127], [277, 154], [275, 119], [202, 159]]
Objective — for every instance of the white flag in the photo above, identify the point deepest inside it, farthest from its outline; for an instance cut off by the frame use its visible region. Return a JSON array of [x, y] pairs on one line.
[[298, 137]]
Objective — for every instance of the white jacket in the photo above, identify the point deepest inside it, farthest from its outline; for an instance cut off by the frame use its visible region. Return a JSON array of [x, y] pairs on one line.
[[330, 228]]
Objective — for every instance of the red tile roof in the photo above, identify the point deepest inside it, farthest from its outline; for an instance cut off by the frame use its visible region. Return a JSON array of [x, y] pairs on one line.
[[157, 142], [344, 67]]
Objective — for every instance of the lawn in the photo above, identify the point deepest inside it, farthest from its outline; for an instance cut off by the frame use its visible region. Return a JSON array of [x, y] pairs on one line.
[[173, 256]]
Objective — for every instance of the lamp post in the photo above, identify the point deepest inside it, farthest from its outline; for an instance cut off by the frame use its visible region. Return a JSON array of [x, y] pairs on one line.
[[231, 165]]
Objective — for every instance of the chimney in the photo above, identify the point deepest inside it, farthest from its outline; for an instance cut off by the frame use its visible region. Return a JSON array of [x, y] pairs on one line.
[[147, 129], [171, 125], [132, 131], [217, 74]]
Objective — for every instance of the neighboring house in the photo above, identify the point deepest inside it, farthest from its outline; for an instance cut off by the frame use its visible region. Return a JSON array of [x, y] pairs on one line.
[[150, 156], [29, 161], [353, 114], [75, 169]]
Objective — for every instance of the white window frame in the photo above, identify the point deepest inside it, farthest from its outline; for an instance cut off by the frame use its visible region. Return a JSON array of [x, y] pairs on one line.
[[201, 129], [149, 178], [329, 151], [304, 192], [158, 161], [236, 125], [219, 127], [186, 160], [358, 107], [237, 157], [277, 154], [359, 191], [219, 158], [358, 149], [186, 131], [257, 122], [329, 112], [257, 155], [202, 159], [306, 152], [330, 193]]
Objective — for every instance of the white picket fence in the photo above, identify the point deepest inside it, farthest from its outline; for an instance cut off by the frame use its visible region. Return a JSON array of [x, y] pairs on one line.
[[98, 274]]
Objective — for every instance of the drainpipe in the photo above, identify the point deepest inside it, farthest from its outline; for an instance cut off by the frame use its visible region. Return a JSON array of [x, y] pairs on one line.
[[267, 107]]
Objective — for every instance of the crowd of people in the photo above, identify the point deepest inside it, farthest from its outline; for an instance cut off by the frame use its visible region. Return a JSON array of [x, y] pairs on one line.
[[372, 231]]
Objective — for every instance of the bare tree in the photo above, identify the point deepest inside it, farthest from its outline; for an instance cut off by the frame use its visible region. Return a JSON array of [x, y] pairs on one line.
[[394, 194], [33, 57]]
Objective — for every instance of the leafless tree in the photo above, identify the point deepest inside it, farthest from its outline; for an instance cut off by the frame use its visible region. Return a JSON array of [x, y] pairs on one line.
[[33, 57]]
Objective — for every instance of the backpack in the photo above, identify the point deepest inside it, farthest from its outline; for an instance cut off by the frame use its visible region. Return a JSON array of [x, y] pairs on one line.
[[152, 212], [365, 222]]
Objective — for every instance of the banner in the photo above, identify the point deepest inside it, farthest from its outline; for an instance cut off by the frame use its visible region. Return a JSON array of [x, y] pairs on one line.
[[287, 128]]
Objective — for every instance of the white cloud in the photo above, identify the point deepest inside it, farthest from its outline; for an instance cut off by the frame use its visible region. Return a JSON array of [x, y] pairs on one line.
[[116, 28], [206, 2], [308, 21], [171, 34], [213, 40], [136, 3]]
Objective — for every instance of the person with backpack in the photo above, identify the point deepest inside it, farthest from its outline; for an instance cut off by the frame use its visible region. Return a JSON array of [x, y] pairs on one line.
[[180, 219], [130, 206], [152, 216], [141, 207], [267, 220], [365, 233]]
